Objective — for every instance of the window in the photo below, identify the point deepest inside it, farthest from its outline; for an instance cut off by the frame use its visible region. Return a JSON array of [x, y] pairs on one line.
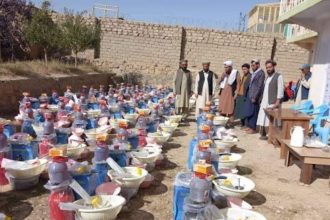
[[261, 28]]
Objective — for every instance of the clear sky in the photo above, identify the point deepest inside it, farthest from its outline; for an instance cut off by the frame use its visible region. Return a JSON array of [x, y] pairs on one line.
[[218, 14]]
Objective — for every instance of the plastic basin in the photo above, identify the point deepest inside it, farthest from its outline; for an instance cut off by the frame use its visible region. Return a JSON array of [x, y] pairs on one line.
[[231, 163], [106, 213], [131, 182], [238, 213], [147, 154], [30, 172], [228, 191]]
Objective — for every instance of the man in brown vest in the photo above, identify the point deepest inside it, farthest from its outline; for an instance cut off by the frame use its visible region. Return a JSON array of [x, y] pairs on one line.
[[272, 96], [182, 89]]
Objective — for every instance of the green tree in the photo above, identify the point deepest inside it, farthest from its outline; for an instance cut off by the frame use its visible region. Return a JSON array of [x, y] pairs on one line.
[[78, 35], [42, 30]]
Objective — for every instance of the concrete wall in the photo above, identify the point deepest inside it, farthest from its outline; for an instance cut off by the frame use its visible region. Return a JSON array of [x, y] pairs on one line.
[[11, 91], [154, 50]]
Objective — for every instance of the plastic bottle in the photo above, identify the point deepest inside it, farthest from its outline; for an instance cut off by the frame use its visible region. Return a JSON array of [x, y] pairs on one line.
[[55, 198], [200, 189], [58, 170]]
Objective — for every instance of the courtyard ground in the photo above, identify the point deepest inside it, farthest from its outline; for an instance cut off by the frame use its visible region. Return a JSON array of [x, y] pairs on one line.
[[278, 193]]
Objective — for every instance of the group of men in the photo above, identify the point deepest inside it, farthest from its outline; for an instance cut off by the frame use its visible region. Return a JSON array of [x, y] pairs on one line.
[[242, 96]]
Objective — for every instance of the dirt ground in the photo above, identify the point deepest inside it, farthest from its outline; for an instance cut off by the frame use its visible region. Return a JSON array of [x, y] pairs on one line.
[[278, 193]]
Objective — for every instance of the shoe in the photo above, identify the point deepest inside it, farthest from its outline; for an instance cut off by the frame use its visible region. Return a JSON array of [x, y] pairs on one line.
[[264, 138]]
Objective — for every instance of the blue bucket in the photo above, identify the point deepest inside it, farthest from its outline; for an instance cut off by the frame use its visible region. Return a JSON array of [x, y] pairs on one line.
[[120, 158], [62, 138], [93, 106], [22, 152], [152, 127], [117, 115], [9, 130], [35, 104], [91, 123], [134, 141], [101, 170], [86, 181]]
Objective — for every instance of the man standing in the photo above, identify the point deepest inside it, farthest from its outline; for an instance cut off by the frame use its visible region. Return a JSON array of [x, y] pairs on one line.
[[229, 82], [303, 85], [254, 95], [242, 94], [272, 95], [204, 87], [182, 89]]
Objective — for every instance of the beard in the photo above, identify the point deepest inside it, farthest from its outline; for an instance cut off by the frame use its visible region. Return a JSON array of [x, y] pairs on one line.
[[270, 72]]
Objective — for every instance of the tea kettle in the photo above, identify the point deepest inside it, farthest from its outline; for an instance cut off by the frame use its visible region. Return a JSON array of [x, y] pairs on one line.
[[297, 136]]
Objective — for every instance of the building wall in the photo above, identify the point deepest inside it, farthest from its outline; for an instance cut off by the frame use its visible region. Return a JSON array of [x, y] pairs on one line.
[[155, 50]]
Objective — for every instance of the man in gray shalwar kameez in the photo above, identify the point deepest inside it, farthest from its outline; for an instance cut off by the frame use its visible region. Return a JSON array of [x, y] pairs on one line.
[[182, 89]]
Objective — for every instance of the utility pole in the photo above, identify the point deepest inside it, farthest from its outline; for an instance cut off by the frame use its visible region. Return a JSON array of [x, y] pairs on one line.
[[241, 22]]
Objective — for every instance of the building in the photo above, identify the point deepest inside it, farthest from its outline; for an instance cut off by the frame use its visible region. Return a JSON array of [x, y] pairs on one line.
[[309, 26], [263, 19]]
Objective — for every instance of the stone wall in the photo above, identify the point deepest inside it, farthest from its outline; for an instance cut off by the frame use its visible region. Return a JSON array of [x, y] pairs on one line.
[[219, 46], [154, 50], [11, 91], [134, 47]]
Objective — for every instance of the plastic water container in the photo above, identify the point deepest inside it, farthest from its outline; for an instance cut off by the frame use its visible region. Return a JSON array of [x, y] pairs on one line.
[[180, 192], [58, 171], [101, 153], [192, 145], [200, 189], [54, 199], [192, 209]]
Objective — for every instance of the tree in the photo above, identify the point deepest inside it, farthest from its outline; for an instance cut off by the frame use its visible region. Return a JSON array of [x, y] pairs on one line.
[[77, 34], [42, 30], [13, 13]]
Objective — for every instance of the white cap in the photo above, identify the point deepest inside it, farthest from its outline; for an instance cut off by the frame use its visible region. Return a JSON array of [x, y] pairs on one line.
[[228, 63]]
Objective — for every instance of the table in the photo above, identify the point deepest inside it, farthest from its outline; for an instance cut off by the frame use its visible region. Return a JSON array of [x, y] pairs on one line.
[[281, 121], [308, 156]]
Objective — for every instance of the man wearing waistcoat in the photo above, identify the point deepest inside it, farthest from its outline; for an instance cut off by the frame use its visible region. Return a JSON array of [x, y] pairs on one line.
[[182, 89], [272, 96], [303, 85], [254, 96], [204, 87]]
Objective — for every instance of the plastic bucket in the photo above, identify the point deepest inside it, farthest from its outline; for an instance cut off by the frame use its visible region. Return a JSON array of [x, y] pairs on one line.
[[86, 181], [9, 130], [62, 138], [101, 170], [22, 152], [134, 141], [120, 158], [91, 123]]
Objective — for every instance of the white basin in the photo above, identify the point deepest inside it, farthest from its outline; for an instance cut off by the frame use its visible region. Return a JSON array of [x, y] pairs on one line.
[[131, 182], [108, 212], [238, 213], [229, 161], [160, 138], [231, 191], [147, 154], [24, 169]]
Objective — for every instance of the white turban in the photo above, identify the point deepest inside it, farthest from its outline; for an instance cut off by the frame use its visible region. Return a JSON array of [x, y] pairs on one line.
[[228, 63]]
